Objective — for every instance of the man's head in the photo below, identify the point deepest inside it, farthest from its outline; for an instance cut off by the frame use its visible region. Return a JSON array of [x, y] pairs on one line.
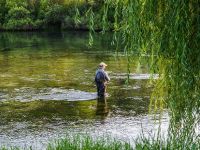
[[102, 65]]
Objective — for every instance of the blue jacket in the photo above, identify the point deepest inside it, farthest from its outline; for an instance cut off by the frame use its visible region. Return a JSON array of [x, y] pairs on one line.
[[101, 76]]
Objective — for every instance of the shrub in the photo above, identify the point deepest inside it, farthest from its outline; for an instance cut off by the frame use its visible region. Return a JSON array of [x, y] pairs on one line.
[[18, 13], [21, 24], [54, 14], [19, 18]]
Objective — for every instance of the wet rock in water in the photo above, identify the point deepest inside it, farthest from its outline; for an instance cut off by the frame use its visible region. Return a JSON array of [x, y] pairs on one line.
[[130, 87], [70, 95], [32, 94], [2, 96], [135, 76]]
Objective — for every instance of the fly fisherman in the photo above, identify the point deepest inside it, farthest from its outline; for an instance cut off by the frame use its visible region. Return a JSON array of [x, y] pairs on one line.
[[101, 78]]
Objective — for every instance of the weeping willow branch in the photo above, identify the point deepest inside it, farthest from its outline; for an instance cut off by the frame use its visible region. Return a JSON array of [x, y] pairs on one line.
[[169, 32]]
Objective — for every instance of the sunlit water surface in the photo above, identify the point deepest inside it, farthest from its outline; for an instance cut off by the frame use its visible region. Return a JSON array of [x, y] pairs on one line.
[[47, 90]]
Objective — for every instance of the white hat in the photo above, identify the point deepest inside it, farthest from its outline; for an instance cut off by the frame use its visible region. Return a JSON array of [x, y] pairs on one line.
[[102, 64]]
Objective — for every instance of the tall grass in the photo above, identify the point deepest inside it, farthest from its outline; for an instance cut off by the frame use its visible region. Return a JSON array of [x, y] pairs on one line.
[[85, 142], [161, 144], [11, 148]]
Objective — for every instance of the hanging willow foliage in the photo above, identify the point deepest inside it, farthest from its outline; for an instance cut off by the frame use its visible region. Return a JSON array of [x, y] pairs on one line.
[[168, 31]]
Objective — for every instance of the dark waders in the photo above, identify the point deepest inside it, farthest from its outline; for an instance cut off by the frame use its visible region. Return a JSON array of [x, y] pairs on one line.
[[101, 89]]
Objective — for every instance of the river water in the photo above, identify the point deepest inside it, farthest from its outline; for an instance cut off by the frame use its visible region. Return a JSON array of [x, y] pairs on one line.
[[47, 90]]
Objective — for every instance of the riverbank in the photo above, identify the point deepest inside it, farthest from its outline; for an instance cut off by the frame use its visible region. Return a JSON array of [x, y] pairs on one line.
[[86, 142]]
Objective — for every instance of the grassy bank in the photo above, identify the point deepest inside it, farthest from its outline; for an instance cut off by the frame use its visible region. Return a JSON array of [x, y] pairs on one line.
[[88, 143], [162, 144], [85, 142]]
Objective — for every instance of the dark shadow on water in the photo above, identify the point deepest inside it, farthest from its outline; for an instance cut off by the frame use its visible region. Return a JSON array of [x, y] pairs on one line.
[[102, 109]]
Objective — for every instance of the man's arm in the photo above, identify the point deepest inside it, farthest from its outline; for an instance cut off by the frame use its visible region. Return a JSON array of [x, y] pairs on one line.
[[107, 77]]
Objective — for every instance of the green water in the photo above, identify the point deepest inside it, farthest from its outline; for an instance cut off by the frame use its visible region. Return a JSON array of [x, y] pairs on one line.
[[47, 89]]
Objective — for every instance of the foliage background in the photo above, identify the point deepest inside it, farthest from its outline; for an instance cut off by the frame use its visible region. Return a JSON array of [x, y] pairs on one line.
[[48, 14]]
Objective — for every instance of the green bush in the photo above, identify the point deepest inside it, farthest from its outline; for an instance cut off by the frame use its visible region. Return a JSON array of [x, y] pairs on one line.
[[38, 24], [25, 24], [19, 18], [3, 11], [38, 14], [18, 13], [54, 14]]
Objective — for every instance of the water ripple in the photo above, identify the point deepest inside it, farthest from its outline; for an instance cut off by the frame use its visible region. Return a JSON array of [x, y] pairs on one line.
[[32, 94]]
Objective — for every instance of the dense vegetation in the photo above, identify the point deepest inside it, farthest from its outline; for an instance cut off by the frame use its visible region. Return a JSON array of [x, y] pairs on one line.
[[166, 30], [169, 32], [47, 14]]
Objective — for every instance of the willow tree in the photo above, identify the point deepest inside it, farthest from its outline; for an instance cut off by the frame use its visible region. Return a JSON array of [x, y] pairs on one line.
[[168, 31]]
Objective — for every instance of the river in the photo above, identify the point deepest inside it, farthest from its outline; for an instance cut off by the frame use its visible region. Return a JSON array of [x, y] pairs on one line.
[[47, 89]]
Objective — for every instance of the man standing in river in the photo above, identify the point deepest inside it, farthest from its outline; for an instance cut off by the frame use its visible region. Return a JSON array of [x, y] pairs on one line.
[[101, 79]]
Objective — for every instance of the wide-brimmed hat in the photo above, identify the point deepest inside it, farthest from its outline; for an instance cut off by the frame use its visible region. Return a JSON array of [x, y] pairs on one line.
[[102, 64]]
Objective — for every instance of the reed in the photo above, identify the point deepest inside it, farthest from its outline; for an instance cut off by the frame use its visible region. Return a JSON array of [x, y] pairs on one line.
[[85, 142]]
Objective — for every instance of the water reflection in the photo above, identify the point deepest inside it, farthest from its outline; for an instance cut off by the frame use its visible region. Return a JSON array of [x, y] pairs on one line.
[[102, 109]]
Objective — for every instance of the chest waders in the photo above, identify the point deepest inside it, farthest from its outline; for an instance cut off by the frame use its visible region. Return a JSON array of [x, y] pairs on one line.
[[100, 83]]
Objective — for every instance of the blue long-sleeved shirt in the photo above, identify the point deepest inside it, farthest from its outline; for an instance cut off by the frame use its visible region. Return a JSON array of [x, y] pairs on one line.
[[101, 76]]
